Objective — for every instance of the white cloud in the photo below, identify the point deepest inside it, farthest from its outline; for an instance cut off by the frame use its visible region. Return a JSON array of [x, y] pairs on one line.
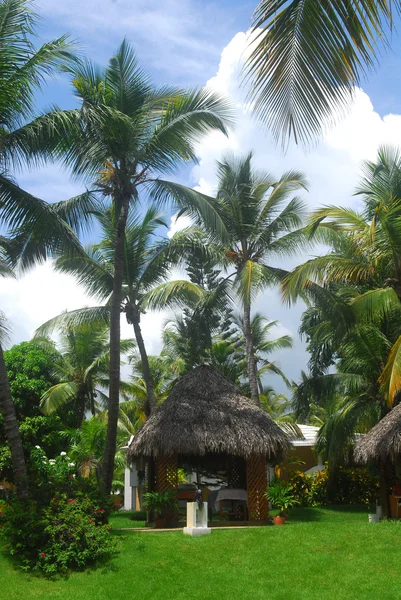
[[178, 223]]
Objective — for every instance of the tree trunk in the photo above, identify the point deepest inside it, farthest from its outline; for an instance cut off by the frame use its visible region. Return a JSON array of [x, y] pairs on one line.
[[250, 355], [150, 392], [115, 336], [7, 410]]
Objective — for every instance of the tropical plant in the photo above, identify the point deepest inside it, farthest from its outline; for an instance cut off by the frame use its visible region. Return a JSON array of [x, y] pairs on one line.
[[255, 227], [281, 497], [36, 228], [30, 372], [146, 269], [306, 59], [124, 134], [161, 503], [365, 261], [263, 345], [81, 370]]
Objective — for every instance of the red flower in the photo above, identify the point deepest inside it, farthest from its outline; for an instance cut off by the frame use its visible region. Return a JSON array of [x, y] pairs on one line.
[[71, 476], [70, 500], [100, 510], [17, 473], [43, 555]]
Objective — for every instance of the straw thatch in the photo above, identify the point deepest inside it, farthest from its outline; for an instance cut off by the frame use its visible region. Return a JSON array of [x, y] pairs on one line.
[[205, 412], [383, 440]]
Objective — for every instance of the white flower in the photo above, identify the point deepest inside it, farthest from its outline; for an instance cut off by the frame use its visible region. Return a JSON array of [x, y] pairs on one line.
[[45, 462], [38, 447], [52, 461], [71, 464], [63, 453]]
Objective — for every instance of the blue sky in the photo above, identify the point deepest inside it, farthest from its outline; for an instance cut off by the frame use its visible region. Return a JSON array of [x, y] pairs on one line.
[[178, 42], [188, 42]]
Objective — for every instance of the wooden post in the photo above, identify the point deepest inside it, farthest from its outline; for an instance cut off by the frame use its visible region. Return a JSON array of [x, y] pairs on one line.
[[167, 473], [256, 483]]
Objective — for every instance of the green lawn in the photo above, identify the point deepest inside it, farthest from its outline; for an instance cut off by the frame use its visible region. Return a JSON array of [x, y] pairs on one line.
[[320, 554]]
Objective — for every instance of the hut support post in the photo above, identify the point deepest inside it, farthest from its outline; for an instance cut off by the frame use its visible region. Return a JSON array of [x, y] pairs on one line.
[[256, 480], [167, 473]]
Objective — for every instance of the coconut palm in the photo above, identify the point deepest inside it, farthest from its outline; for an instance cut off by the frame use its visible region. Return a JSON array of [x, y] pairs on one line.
[[125, 134], [23, 71], [257, 225], [263, 345], [35, 227], [306, 58], [365, 259], [146, 268], [82, 370]]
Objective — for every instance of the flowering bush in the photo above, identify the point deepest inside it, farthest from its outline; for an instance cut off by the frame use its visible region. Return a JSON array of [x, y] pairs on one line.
[[62, 524], [348, 486], [68, 533]]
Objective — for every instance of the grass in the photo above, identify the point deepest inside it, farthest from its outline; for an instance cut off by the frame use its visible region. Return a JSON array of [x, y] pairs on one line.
[[322, 553]]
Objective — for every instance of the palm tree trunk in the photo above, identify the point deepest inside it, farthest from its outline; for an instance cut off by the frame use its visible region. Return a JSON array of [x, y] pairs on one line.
[[115, 336], [250, 355], [150, 392], [7, 410]]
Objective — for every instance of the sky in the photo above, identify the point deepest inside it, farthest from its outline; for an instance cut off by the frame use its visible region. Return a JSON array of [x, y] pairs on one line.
[[191, 43]]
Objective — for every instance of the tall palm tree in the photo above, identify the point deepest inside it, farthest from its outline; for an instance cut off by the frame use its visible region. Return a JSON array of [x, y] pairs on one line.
[[257, 224], [82, 370], [146, 268], [23, 70], [125, 134], [306, 58], [365, 257]]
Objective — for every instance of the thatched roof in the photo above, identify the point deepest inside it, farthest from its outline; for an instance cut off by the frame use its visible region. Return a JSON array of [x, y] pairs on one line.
[[383, 440], [205, 412]]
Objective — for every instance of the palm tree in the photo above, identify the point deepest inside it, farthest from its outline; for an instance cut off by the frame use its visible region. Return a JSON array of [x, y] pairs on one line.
[[82, 370], [122, 136], [35, 227], [263, 345], [278, 406], [255, 227], [365, 259], [146, 267], [306, 58]]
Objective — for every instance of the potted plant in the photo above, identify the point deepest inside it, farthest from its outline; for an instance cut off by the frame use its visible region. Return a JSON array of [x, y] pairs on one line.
[[281, 497], [162, 504]]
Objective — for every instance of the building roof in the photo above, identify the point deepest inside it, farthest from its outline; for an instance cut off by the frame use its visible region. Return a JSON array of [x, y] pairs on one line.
[[205, 412], [309, 433], [383, 440]]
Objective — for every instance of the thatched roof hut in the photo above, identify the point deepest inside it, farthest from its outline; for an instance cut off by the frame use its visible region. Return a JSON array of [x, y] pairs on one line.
[[383, 441], [204, 413]]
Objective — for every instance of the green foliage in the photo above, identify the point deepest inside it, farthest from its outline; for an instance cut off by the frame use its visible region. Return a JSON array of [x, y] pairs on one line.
[[161, 503], [281, 497], [345, 486], [61, 525], [66, 533], [307, 57], [30, 368]]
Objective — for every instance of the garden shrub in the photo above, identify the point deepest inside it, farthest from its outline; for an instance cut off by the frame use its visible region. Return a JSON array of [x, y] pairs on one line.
[[347, 486], [66, 534], [62, 525]]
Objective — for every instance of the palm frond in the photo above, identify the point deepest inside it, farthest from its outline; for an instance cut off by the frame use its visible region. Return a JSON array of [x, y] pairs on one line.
[[307, 57]]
